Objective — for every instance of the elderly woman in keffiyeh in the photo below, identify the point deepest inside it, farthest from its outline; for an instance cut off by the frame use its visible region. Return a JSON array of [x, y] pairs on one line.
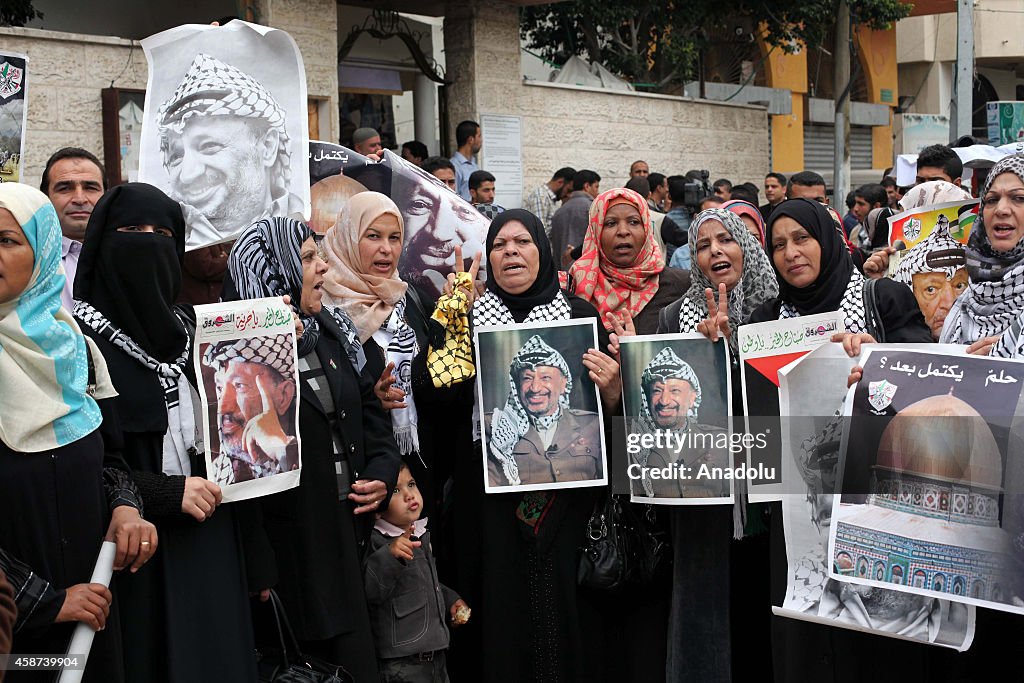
[[621, 270], [217, 105]]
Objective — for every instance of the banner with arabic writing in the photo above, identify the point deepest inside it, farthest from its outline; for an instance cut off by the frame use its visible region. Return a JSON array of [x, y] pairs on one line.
[[931, 478], [13, 115], [764, 349], [811, 393], [247, 367]]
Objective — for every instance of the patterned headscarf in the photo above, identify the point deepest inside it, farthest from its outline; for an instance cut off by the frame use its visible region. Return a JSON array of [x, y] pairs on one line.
[[510, 424], [43, 362], [266, 261], [602, 283], [368, 299], [757, 282], [745, 208], [995, 298], [212, 88]]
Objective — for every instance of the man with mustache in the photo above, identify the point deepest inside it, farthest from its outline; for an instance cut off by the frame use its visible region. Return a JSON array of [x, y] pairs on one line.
[[537, 438], [936, 269], [436, 221], [226, 150], [255, 406], [671, 397]]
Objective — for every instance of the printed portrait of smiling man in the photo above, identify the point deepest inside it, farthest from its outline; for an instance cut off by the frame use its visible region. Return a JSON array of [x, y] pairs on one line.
[[226, 151], [436, 221], [537, 438], [255, 408]]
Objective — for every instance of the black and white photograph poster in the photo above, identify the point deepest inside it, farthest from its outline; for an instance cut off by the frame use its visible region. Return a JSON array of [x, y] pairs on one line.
[[225, 127], [436, 221], [677, 399], [930, 484], [247, 365], [539, 411], [13, 114], [811, 394], [765, 348]]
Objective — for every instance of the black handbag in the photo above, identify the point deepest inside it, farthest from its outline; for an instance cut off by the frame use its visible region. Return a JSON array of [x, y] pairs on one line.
[[289, 665], [623, 546]]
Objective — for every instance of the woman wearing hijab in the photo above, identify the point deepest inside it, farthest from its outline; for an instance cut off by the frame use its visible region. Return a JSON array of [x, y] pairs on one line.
[[750, 215], [63, 483], [816, 274], [307, 542], [984, 316], [725, 253], [621, 270], [517, 553], [363, 249], [186, 615]]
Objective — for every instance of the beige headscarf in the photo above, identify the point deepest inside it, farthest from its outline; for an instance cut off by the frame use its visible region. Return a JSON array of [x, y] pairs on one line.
[[368, 299]]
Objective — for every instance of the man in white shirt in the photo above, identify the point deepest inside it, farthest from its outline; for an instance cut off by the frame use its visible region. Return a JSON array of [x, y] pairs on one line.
[[544, 199], [74, 181], [469, 139]]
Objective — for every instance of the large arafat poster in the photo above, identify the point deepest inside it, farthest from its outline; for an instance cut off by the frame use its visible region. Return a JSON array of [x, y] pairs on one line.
[[226, 126]]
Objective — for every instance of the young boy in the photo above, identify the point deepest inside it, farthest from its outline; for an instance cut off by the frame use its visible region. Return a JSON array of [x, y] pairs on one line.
[[409, 607]]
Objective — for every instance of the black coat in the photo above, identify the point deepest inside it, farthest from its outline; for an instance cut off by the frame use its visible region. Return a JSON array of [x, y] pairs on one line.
[[435, 462], [306, 542]]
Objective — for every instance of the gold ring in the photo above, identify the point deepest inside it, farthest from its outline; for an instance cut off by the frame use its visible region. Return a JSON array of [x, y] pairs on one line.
[[144, 543], [599, 371]]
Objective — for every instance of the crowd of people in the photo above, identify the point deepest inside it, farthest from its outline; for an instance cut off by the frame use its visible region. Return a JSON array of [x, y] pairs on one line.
[[389, 559]]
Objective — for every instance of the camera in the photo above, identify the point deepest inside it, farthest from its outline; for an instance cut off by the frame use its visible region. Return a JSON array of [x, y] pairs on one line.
[[696, 189]]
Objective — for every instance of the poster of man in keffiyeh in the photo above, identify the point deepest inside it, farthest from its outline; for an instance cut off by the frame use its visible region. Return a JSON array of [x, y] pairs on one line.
[[13, 114], [226, 129], [676, 397], [539, 410], [246, 362]]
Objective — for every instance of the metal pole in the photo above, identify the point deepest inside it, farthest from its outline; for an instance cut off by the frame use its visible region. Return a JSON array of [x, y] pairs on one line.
[[841, 86], [963, 99]]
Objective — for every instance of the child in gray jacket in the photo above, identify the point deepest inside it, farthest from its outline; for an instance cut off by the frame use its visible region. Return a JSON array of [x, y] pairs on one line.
[[409, 607]]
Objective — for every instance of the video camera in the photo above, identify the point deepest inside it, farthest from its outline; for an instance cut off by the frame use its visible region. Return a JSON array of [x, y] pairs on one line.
[[696, 189]]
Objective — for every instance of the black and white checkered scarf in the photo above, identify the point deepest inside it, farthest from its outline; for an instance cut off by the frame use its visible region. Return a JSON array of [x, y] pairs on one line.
[[995, 298], [181, 435], [852, 306]]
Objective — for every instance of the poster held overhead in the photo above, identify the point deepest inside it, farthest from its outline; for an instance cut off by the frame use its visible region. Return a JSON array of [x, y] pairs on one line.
[[247, 365], [225, 122]]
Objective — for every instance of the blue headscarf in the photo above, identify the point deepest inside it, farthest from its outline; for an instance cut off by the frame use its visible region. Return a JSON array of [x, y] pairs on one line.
[[44, 366]]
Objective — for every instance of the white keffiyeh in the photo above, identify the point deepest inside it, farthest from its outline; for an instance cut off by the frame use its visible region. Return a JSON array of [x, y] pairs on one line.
[[510, 423], [852, 306], [398, 340]]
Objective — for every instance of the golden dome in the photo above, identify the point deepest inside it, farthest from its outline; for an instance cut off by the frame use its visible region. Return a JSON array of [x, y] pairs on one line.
[[942, 437]]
